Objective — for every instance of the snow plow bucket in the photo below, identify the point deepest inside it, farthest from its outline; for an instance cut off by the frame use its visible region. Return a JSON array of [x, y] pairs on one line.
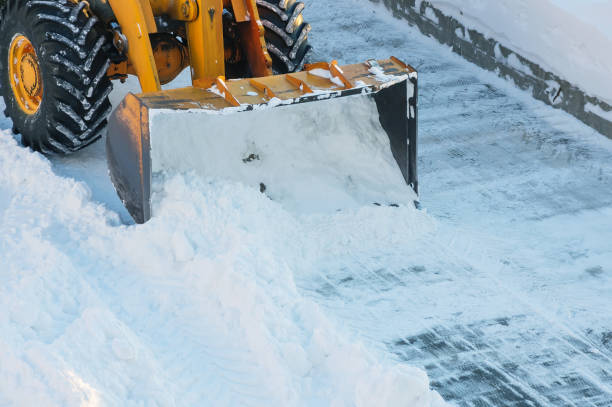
[[326, 138]]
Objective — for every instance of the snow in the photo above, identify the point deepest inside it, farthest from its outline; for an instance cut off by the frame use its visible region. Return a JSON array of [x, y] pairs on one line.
[[592, 12], [317, 157], [380, 75], [429, 13], [567, 37], [324, 73], [499, 287], [94, 311], [589, 107]]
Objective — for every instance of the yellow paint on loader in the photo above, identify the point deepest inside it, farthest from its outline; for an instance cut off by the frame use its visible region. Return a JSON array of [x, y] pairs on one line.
[[157, 58], [25, 74]]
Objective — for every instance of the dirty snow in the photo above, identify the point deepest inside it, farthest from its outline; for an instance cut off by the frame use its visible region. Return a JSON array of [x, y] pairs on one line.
[[589, 107]]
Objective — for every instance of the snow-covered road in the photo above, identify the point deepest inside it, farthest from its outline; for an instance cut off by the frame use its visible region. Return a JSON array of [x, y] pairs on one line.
[[508, 302], [500, 288]]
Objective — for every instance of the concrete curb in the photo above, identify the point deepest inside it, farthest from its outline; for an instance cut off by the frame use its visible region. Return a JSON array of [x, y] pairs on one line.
[[494, 56]]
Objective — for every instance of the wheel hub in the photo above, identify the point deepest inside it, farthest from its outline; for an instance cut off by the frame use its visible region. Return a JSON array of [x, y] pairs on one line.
[[25, 75]]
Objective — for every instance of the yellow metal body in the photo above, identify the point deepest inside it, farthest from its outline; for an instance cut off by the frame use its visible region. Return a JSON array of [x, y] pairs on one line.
[[170, 61], [205, 40], [136, 20], [287, 87], [24, 70], [252, 31], [204, 27]]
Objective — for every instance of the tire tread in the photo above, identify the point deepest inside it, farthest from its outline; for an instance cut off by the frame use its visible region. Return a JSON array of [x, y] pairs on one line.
[[287, 42], [76, 90]]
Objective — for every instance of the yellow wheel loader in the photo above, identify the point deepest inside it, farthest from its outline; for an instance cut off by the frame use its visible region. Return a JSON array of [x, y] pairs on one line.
[[254, 113]]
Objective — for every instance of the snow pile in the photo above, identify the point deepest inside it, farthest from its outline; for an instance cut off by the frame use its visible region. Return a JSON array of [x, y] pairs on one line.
[[197, 307], [570, 38], [312, 157]]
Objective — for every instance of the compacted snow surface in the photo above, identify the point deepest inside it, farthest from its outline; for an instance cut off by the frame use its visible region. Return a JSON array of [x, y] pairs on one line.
[[499, 288]]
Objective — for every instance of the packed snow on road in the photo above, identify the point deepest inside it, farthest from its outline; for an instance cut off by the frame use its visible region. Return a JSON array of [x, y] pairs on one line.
[[496, 291]]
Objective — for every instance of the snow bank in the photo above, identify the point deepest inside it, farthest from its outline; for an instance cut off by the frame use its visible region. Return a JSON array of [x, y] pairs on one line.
[[596, 13], [197, 307], [570, 38]]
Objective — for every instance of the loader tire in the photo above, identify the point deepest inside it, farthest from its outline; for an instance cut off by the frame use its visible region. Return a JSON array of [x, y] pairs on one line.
[[53, 64], [286, 33]]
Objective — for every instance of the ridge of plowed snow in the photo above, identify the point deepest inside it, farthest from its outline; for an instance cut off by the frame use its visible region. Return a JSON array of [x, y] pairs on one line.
[[198, 306]]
